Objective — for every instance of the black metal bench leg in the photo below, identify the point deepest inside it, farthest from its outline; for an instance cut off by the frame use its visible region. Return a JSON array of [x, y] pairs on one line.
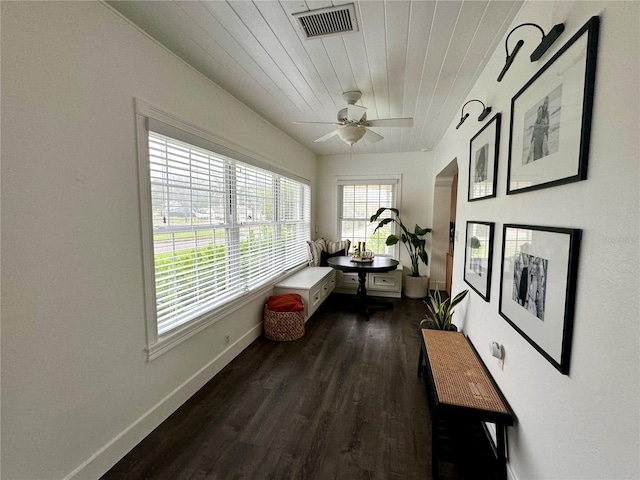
[[434, 448], [501, 434]]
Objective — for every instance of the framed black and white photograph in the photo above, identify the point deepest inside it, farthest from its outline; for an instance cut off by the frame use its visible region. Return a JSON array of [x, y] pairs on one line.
[[478, 257], [538, 287], [483, 161], [551, 117]]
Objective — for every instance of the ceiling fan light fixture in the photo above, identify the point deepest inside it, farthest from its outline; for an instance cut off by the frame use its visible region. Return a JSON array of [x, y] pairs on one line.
[[352, 122], [351, 133]]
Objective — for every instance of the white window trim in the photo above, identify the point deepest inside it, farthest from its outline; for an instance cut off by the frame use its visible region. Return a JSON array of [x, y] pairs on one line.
[[157, 345], [341, 180]]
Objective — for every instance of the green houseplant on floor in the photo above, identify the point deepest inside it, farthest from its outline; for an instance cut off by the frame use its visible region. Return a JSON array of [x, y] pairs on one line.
[[415, 286], [440, 312]]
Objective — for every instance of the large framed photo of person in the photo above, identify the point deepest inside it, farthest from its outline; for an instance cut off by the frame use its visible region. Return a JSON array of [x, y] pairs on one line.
[[538, 287], [483, 161], [551, 117], [478, 257]]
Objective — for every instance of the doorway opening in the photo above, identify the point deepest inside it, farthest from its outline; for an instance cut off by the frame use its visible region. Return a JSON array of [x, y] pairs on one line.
[[444, 226]]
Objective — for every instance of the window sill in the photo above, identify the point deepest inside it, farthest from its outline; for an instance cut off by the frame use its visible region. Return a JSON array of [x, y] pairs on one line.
[[175, 337]]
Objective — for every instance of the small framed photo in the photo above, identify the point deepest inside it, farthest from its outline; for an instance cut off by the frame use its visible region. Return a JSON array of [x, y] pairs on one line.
[[483, 161], [538, 287], [478, 257], [551, 118]]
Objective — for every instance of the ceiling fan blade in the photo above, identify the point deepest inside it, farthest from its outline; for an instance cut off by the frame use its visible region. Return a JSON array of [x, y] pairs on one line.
[[390, 122], [327, 136], [316, 123], [355, 113], [371, 136]]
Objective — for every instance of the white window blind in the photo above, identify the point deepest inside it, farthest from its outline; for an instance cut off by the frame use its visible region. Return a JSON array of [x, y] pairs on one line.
[[221, 228], [358, 201]]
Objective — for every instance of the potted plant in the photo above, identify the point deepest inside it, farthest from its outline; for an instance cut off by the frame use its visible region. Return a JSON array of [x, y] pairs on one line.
[[439, 313], [415, 286]]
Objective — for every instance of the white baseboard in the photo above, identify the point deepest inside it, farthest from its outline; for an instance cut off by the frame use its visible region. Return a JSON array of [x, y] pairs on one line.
[[105, 458]]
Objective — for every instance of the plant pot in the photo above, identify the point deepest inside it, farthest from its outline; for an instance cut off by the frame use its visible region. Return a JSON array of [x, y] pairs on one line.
[[416, 287], [452, 328]]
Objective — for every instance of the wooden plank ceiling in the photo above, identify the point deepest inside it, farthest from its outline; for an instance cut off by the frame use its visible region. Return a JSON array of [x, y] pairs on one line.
[[409, 58]]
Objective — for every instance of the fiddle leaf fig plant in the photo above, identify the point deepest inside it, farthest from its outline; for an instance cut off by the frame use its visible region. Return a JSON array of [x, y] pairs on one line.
[[414, 241], [440, 312]]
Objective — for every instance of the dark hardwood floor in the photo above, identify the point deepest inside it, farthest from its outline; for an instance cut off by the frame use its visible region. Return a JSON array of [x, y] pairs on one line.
[[343, 402]]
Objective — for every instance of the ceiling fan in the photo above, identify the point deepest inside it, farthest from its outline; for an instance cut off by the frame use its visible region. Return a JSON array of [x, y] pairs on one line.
[[352, 122]]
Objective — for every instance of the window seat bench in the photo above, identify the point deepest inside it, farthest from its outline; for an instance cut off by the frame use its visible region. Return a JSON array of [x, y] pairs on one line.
[[313, 284]]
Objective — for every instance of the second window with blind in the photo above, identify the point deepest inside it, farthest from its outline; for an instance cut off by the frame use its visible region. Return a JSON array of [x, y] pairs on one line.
[[358, 199]]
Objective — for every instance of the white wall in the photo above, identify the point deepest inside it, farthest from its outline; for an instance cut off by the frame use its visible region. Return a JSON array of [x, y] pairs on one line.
[[416, 204], [75, 382], [584, 425], [77, 391]]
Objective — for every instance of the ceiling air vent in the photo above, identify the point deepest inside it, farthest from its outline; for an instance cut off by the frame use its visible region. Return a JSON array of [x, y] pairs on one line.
[[329, 21]]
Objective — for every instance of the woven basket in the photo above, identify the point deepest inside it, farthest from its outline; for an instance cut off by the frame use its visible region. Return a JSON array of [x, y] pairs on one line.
[[283, 326]]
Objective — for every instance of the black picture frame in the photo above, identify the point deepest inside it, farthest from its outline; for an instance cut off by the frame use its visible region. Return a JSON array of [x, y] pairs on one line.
[[478, 257], [539, 269], [484, 149], [550, 126]]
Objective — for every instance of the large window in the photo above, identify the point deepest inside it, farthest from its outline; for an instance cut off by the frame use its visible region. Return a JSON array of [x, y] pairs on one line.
[[221, 229], [358, 200]]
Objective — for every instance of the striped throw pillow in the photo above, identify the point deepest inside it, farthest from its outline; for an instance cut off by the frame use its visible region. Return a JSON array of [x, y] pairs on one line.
[[333, 247], [315, 247]]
